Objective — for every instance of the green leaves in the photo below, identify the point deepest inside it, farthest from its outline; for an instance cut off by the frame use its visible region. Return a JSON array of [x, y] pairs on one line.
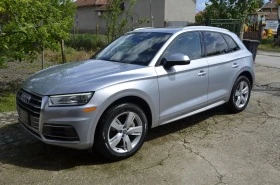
[[231, 9], [31, 25], [117, 19]]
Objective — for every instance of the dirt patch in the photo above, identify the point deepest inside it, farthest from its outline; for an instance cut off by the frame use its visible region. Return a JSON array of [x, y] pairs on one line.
[[15, 73]]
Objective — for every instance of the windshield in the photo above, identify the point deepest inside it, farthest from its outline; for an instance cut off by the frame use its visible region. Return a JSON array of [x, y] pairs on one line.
[[134, 48]]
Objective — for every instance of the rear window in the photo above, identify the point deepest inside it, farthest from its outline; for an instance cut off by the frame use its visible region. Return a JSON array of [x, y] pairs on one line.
[[215, 44], [231, 43]]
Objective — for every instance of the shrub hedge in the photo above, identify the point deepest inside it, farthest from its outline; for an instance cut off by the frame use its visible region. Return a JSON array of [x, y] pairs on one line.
[[86, 42]]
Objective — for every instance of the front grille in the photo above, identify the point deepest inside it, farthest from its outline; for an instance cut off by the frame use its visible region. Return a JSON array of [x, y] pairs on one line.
[[29, 107]]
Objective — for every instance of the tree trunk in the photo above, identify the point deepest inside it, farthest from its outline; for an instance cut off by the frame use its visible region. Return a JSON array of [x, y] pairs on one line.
[[62, 51], [241, 31], [43, 57]]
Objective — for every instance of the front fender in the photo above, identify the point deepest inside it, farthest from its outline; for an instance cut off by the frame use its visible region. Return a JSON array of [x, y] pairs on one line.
[[145, 89]]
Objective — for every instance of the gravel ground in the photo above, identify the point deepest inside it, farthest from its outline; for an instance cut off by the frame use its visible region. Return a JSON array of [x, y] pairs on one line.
[[16, 72]]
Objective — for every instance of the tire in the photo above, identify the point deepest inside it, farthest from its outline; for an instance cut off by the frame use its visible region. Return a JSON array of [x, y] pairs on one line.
[[240, 95], [121, 131]]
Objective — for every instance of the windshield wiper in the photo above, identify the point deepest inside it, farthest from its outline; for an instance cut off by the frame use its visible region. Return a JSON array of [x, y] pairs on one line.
[[106, 59]]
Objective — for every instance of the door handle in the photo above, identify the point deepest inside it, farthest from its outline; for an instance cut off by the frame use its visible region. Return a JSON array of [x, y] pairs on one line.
[[201, 73], [235, 65]]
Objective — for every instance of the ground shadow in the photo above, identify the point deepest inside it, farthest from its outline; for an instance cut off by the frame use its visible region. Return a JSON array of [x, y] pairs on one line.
[[19, 148]]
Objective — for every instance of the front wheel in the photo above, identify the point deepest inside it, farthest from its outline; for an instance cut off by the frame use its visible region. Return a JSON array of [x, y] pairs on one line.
[[121, 132], [240, 95]]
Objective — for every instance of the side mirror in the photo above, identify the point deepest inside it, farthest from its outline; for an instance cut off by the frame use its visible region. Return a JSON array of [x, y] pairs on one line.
[[176, 59]]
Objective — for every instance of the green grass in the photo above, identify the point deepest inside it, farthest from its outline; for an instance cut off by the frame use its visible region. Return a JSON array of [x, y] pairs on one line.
[[269, 47], [7, 102]]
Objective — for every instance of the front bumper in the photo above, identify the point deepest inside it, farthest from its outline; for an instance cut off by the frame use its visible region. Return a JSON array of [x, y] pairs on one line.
[[61, 126]]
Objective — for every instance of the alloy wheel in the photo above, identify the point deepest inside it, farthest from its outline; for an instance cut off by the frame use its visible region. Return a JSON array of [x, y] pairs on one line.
[[241, 95], [125, 132]]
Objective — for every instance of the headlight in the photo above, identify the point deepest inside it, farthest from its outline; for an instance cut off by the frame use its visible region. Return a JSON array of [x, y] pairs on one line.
[[70, 99]]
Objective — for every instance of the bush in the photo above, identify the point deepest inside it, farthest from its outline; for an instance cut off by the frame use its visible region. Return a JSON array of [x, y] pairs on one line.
[[87, 42], [70, 53], [2, 63], [267, 41]]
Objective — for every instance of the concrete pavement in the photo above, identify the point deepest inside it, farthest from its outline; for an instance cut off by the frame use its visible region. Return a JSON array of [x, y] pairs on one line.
[[269, 59]]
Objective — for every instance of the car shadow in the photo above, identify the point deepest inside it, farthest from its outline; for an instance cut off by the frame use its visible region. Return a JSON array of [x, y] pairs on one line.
[[19, 148], [182, 124]]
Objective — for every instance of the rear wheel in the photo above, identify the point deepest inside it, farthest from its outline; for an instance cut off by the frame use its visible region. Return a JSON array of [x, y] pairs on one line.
[[240, 95], [121, 132]]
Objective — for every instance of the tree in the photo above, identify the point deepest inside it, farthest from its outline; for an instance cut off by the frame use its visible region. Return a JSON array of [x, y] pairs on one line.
[[199, 17], [230, 9], [30, 26], [260, 3], [118, 16]]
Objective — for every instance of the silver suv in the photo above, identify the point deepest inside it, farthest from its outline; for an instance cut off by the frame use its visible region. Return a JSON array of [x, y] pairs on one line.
[[144, 79]]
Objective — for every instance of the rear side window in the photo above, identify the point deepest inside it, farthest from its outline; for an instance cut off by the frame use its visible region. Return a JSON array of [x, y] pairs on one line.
[[231, 43], [215, 44]]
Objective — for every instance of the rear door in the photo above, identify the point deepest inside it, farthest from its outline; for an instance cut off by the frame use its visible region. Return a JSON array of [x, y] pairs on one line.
[[183, 89], [223, 65]]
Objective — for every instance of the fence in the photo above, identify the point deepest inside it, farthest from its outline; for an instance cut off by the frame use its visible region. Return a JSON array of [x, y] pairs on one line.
[[233, 25]]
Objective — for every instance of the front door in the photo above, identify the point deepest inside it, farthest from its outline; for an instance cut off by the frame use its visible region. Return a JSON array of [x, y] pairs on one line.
[[183, 89]]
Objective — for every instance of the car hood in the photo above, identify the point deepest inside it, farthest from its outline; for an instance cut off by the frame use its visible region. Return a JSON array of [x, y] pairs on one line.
[[84, 76]]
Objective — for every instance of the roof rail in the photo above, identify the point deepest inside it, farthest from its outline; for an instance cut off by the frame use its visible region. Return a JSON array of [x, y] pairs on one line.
[[143, 28], [209, 27]]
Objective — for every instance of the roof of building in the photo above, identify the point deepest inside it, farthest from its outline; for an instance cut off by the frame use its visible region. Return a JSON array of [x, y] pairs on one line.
[[270, 4], [271, 16], [80, 3]]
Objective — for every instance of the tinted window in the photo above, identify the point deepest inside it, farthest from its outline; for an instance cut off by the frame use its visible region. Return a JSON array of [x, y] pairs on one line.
[[215, 43], [134, 48], [231, 43], [187, 44]]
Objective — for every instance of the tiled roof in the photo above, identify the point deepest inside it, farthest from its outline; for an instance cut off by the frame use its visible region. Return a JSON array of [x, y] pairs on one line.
[[80, 3], [271, 4], [103, 8]]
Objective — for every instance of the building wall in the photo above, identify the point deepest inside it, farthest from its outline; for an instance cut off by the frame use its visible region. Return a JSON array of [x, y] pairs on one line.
[[143, 11], [87, 20], [180, 10], [270, 10], [274, 10]]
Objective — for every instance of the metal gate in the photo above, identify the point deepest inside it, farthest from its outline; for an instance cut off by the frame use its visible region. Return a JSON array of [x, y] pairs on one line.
[[233, 25]]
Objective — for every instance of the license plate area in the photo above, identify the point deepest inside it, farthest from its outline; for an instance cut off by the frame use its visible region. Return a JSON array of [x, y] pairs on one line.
[[23, 116]]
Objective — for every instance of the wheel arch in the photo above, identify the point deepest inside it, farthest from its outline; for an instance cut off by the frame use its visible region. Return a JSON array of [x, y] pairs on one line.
[[142, 103], [137, 101], [247, 72], [248, 75]]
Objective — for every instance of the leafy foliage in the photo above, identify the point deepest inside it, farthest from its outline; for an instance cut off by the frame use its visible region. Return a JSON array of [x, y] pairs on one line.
[[28, 26], [199, 17], [231, 9], [117, 17], [87, 42]]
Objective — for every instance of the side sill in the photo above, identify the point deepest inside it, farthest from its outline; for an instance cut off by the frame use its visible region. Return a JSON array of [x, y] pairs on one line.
[[195, 112]]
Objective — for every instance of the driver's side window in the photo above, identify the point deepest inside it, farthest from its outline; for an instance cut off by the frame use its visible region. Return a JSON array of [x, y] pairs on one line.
[[187, 43]]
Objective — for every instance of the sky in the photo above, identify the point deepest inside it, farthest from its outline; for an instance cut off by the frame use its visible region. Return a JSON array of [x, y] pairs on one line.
[[200, 5]]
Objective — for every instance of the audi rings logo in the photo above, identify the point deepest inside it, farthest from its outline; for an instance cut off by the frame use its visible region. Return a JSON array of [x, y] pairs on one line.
[[25, 97]]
